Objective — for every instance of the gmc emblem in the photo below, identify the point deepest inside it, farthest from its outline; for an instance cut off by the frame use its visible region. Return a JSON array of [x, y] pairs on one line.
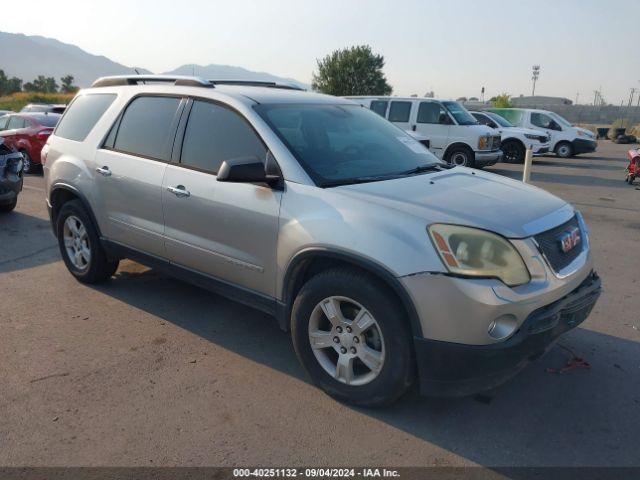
[[570, 240]]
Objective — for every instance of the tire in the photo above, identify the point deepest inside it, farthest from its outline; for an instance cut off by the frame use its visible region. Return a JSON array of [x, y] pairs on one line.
[[28, 165], [564, 150], [461, 156], [385, 344], [514, 151], [8, 207], [91, 267]]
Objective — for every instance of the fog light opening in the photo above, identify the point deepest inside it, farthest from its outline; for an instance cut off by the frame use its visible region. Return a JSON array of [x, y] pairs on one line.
[[503, 327]]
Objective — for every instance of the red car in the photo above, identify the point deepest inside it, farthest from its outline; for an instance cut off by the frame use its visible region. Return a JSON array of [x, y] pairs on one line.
[[28, 132]]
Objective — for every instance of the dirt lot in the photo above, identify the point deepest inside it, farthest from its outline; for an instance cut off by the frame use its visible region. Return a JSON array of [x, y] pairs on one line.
[[149, 371]]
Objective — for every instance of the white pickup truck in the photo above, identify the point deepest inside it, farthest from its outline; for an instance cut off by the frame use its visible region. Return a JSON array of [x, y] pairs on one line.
[[567, 140], [454, 135], [515, 140]]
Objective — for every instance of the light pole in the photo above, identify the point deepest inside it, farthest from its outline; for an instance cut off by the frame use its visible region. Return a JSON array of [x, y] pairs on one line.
[[535, 74]]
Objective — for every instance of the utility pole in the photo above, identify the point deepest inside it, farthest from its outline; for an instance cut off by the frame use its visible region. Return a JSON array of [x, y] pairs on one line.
[[577, 96], [534, 76]]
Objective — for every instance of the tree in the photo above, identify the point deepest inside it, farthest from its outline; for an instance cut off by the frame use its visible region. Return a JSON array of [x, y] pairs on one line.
[[67, 85], [501, 101], [9, 85], [351, 71], [42, 84]]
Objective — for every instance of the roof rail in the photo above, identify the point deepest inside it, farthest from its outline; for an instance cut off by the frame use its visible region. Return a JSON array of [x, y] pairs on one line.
[[255, 83], [179, 80]]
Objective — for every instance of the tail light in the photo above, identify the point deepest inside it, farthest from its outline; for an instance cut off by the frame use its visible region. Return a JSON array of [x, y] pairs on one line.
[[44, 134], [43, 154]]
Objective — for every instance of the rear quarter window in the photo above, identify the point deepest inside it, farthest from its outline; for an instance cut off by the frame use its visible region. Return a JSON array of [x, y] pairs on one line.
[[83, 114]]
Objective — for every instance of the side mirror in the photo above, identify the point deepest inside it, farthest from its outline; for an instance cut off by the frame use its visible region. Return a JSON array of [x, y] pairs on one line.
[[249, 170], [555, 126]]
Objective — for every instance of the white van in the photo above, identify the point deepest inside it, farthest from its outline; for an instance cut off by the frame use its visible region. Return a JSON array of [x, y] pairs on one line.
[[566, 140], [454, 135]]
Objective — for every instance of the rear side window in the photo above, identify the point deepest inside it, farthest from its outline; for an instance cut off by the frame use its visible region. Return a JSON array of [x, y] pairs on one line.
[[380, 107], [399, 111], [83, 114], [215, 134], [16, 122], [146, 127]]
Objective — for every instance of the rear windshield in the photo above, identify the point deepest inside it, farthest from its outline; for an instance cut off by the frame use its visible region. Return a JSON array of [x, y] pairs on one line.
[[82, 115], [47, 120]]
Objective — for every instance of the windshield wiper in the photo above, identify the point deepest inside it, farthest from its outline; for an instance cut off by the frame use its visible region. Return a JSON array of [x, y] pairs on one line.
[[353, 181], [432, 167]]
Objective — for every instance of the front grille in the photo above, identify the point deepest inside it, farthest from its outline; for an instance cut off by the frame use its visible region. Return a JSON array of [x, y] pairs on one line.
[[551, 247]]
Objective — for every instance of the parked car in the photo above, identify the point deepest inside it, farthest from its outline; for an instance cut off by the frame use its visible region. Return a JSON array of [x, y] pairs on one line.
[[10, 177], [44, 108], [5, 112], [28, 132], [566, 140], [454, 135], [387, 265], [515, 140]]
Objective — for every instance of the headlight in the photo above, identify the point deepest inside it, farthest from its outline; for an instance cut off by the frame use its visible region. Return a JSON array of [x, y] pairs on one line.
[[483, 143], [584, 134], [473, 252]]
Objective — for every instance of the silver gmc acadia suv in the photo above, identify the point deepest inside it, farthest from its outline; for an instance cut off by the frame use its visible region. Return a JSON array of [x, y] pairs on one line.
[[389, 267]]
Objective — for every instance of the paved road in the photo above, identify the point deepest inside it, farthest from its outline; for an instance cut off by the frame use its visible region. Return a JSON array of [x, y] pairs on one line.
[[149, 371]]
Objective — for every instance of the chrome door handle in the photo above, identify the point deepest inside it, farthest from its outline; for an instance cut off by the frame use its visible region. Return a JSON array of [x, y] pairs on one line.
[[179, 191], [104, 171]]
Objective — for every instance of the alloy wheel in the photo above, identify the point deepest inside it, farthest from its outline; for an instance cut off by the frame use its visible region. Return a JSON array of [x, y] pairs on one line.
[[346, 340], [76, 242]]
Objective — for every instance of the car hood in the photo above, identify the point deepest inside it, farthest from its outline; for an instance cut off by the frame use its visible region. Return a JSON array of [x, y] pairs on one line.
[[588, 132], [468, 197]]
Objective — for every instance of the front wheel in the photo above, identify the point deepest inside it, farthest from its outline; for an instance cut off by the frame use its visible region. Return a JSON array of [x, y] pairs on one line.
[[80, 245], [514, 152], [564, 150], [8, 207], [460, 156], [27, 164], [351, 336]]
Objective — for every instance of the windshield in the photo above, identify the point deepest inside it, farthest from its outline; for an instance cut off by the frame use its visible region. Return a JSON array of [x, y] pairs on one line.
[[342, 144], [461, 114], [559, 119], [500, 120]]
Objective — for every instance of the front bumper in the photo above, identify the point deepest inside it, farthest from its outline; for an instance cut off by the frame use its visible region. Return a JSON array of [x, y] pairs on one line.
[[540, 150], [484, 159], [453, 369], [10, 187], [580, 145]]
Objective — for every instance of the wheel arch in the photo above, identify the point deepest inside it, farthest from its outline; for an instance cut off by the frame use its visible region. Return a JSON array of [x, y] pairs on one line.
[[458, 144], [62, 193], [513, 139], [310, 262]]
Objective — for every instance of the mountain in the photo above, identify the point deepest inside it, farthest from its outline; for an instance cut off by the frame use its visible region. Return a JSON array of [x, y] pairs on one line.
[[228, 72], [26, 57]]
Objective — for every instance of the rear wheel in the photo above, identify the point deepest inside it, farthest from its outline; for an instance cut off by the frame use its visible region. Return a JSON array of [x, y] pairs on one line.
[[564, 150], [514, 152], [461, 156], [80, 245], [351, 336]]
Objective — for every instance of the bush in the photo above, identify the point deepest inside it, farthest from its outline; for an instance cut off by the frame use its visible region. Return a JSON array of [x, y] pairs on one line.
[[16, 101]]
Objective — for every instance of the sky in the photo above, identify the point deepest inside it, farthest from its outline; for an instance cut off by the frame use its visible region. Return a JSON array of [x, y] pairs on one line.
[[453, 47]]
